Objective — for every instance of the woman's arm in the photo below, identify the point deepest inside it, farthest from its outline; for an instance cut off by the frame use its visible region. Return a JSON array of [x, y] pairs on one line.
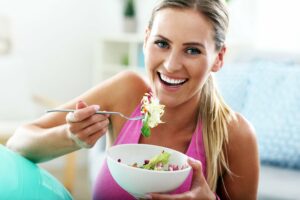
[[41, 144], [47, 137], [243, 161]]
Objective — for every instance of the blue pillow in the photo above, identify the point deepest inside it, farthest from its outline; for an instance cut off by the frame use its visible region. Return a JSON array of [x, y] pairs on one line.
[[273, 107], [233, 82]]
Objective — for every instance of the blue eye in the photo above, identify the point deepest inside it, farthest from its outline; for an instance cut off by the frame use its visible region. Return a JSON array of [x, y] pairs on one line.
[[193, 51], [162, 44]]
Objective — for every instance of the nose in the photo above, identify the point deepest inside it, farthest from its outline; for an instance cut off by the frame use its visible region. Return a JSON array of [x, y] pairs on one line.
[[173, 62]]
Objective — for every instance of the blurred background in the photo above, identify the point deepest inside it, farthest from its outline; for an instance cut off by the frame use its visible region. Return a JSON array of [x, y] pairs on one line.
[[52, 51]]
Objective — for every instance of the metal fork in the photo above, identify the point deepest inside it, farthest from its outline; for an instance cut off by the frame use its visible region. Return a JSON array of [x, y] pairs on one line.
[[99, 112]]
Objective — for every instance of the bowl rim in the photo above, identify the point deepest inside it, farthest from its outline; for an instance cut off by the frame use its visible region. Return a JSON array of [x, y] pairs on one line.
[[108, 157]]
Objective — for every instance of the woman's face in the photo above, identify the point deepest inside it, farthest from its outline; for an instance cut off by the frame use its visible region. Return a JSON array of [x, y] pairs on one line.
[[179, 55]]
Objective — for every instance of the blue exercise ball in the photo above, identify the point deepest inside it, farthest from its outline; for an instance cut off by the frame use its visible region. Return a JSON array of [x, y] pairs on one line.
[[22, 179]]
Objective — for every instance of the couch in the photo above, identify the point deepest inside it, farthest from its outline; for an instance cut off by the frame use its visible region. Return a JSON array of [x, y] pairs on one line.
[[267, 93]]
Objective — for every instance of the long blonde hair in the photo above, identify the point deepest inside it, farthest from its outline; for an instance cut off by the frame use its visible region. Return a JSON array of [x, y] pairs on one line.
[[215, 115], [214, 112]]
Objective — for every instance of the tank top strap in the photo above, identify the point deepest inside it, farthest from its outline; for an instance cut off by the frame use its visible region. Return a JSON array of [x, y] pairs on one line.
[[196, 148]]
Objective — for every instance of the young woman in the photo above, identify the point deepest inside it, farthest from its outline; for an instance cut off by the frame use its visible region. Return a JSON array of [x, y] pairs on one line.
[[184, 44]]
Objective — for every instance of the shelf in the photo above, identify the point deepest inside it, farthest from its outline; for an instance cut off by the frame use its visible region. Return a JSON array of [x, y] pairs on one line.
[[117, 52]]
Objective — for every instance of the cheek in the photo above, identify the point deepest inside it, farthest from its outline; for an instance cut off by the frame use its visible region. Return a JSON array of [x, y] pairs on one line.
[[151, 58], [149, 64], [197, 68], [199, 72]]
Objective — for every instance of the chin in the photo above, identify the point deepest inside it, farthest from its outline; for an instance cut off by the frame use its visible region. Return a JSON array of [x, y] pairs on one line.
[[168, 101]]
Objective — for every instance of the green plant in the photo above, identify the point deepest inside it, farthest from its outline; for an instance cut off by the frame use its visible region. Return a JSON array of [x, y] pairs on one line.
[[129, 10], [125, 60]]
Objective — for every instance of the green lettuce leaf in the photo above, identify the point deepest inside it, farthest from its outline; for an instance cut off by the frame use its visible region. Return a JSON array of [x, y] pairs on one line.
[[163, 158], [146, 132]]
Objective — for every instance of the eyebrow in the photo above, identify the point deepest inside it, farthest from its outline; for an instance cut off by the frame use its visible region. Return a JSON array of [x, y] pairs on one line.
[[185, 44], [164, 38], [194, 44]]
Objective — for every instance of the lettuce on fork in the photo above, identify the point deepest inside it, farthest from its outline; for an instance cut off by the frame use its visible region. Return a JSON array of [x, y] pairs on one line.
[[152, 111]]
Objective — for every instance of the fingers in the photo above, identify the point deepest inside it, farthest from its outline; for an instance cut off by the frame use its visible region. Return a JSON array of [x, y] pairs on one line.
[[101, 120], [160, 197], [86, 139], [198, 177], [70, 118], [156, 196], [81, 104], [78, 142], [91, 129], [94, 137], [83, 113], [199, 188], [86, 127]]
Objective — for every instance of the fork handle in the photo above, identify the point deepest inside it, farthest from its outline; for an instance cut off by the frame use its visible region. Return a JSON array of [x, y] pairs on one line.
[[71, 110], [107, 112]]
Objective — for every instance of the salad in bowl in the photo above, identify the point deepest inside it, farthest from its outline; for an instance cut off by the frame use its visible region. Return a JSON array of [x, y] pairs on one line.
[[159, 162], [142, 168]]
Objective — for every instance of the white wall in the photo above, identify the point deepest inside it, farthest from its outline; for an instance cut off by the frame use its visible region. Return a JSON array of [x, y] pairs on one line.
[[53, 41], [278, 27], [264, 28]]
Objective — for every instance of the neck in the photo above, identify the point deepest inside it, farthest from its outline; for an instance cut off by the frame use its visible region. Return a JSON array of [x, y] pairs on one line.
[[184, 116]]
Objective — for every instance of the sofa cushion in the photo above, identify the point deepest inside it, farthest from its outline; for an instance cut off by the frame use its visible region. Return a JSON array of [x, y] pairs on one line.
[[273, 106], [233, 82], [277, 183]]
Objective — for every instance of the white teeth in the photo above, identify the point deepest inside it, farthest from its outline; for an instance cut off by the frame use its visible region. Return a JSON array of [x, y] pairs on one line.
[[171, 81]]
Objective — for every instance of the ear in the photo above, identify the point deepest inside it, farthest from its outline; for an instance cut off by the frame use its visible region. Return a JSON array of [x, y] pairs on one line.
[[147, 33], [219, 60]]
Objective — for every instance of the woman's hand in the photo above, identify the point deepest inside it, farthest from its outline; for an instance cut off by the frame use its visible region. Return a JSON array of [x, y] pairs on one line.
[[86, 127], [199, 189]]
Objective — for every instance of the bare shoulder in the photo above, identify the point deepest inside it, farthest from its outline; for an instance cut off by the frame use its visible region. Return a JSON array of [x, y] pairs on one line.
[[129, 78], [241, 131], [130, 87], [127, 86], [243, 159], [242, 143]]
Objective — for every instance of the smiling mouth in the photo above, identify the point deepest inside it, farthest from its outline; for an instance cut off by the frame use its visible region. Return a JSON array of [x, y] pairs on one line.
[[170, 81]]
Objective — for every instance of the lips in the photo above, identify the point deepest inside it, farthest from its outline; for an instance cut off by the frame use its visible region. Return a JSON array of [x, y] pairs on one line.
[[171, 81]]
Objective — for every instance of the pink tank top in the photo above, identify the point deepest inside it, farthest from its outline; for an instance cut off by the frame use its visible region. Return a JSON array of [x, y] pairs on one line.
[[106, 187]]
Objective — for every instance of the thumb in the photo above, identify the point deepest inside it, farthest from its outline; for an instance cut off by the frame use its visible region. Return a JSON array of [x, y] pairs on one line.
[[198, 177], [81, 104]]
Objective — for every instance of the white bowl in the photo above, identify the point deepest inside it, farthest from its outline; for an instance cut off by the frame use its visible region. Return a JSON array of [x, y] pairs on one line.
[[139, 182]]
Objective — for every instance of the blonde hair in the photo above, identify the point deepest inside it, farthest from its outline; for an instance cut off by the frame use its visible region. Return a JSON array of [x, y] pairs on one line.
[[215, 115], [214, 112]]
